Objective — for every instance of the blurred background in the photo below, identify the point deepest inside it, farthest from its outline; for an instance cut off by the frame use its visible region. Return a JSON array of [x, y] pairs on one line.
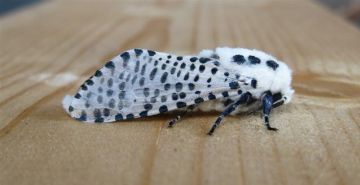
[[349, 9]]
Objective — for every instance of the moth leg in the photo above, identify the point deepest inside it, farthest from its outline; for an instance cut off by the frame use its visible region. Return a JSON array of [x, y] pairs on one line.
[[267, 102], [277, 104], [244, 98], [178, 117]]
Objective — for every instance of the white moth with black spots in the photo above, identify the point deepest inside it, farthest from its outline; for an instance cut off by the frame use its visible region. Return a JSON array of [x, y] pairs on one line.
[[140, 83]]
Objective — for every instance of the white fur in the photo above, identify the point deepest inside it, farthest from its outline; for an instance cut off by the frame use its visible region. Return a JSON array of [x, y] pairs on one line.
[[268, 79], [278, 80]]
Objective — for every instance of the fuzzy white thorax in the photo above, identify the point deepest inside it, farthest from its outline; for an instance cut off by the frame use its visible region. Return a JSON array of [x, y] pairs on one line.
[[276, 81]]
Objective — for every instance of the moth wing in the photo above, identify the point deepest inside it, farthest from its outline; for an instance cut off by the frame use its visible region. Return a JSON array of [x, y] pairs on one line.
[[141, 83]]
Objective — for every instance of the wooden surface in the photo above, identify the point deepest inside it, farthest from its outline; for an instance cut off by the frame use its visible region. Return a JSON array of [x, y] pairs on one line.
[[48, 49]]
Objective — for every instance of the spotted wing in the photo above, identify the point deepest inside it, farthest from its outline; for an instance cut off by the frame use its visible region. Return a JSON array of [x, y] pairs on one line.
[[141, 83]]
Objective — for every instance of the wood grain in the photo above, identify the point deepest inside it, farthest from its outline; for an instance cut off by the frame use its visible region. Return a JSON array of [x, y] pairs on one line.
[[48, 50]]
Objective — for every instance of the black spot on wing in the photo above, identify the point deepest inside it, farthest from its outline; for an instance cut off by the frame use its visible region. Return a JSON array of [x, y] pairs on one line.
[[122, 95], [186, 77], [167, 86], [204, 60], [163, 98], [178, 86], [98, 73], [112, 103], [137, 67], [119, 117], [234, 85], [110, 65], [193, 59], [172, 71], [130, 116], [201, 68], [182, 95], [211, 96], [106, 112], [89, 82], [138, 52], [163, 67], [148, 106], [151, 53], [163, 108], [110, 82], [142, 81], [225, 94], [109, 92], [183, 65], [199, 100], [214, 70], [77, 96], [156, 62], [179, 73], [97, 113], [174, 96], [191, 86], [134, 79], [196, 78], [125, 56], [99, 99], [192, 67], [84, 87], [143, 69], [156, 92], [153, 73], [146, 92], [153, 100], [143, 113], [180, 104], [164, 77]]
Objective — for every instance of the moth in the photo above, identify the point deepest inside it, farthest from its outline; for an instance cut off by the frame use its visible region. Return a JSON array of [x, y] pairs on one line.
[[140, 83]]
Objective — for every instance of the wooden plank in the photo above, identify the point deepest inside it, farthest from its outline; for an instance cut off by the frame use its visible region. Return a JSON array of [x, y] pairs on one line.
[[49, 49]]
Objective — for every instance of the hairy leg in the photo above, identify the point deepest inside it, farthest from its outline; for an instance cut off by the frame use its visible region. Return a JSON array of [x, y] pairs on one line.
[[267, 102], [244, 98]]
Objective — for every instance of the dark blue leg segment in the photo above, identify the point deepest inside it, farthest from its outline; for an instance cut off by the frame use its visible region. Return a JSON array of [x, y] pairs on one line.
[[277, 104], [267, 102], [244, 98]]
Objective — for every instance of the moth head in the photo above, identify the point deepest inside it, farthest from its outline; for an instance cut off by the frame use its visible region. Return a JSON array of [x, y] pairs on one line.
[[281, 84], [282, 95], [278, 99]]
